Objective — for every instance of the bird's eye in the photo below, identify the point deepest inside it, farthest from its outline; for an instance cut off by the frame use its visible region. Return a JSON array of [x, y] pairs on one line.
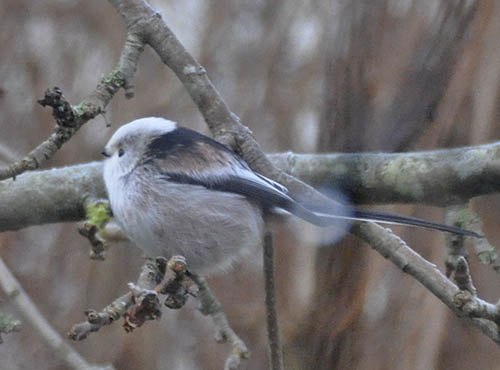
[[121, 152]]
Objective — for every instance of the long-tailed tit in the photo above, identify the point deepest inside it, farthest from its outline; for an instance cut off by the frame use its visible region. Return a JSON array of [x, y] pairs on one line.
[[176, 191]]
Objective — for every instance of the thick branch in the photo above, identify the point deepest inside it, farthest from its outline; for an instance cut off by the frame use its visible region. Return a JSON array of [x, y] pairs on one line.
[[441, 177], [150, 28], [58, 195]]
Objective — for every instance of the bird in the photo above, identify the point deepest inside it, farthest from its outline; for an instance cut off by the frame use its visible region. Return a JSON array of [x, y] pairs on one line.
[[175, 191]]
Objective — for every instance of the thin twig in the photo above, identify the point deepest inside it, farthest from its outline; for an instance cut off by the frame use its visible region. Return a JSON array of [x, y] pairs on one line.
[[462, 215], [210, 306], [111, 313], [30, 312], [455, 244], [170, 278], [71, 118], [467, 300], [463, 277], [273, 335], [97, 216]]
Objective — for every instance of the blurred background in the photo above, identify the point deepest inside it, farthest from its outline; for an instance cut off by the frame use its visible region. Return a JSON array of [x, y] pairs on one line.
[[307, 76]]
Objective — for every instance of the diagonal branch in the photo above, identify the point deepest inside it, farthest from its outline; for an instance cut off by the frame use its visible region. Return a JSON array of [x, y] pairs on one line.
[[397, 251], [227, 128], [224, 124], [71, 118], [30, 312], [148, 27]]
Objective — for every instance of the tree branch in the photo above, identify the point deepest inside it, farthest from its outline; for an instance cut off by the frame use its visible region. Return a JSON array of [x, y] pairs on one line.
[[170, 278], [210, 306], [27, 308], [51, 196], [116, 309], [440, 177], [149, 28], [71, 118], [224, 124], [58, 195], [397, 251], [275, 354]]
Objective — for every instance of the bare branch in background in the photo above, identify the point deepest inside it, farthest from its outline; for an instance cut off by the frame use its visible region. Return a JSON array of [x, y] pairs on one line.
[[71, 118], [19, 298], [210, 306]]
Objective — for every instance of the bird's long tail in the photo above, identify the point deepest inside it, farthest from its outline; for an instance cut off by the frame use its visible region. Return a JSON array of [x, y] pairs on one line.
[[351, 213]]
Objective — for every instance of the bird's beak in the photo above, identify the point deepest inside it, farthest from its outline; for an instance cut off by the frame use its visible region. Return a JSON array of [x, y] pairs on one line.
[[105, 153]]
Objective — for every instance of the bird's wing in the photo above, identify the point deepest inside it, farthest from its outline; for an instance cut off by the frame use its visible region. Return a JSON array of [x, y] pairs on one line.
[[198, 160], [195, 159]]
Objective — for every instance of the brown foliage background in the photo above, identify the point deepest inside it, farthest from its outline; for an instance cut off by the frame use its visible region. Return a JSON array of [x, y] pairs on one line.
[[307, 76]]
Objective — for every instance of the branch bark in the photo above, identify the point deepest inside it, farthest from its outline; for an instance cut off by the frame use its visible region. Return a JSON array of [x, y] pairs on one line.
[[273, 332], [30, 312], [393, 176], [444, 178], [397, 251], [440, 178], [224, 124], [59, 195], [71, 118]]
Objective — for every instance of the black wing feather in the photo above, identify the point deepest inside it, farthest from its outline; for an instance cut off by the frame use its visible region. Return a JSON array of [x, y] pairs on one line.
[[267, 196], [218, 168]]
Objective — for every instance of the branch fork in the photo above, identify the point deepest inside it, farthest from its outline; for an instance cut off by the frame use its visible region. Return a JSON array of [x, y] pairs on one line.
[[173, 279]]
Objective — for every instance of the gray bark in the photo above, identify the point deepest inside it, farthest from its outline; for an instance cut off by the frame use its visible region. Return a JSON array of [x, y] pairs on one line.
[[438, 178]]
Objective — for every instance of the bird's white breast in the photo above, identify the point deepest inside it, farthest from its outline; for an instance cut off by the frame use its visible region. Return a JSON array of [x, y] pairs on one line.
[[211, 229]]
